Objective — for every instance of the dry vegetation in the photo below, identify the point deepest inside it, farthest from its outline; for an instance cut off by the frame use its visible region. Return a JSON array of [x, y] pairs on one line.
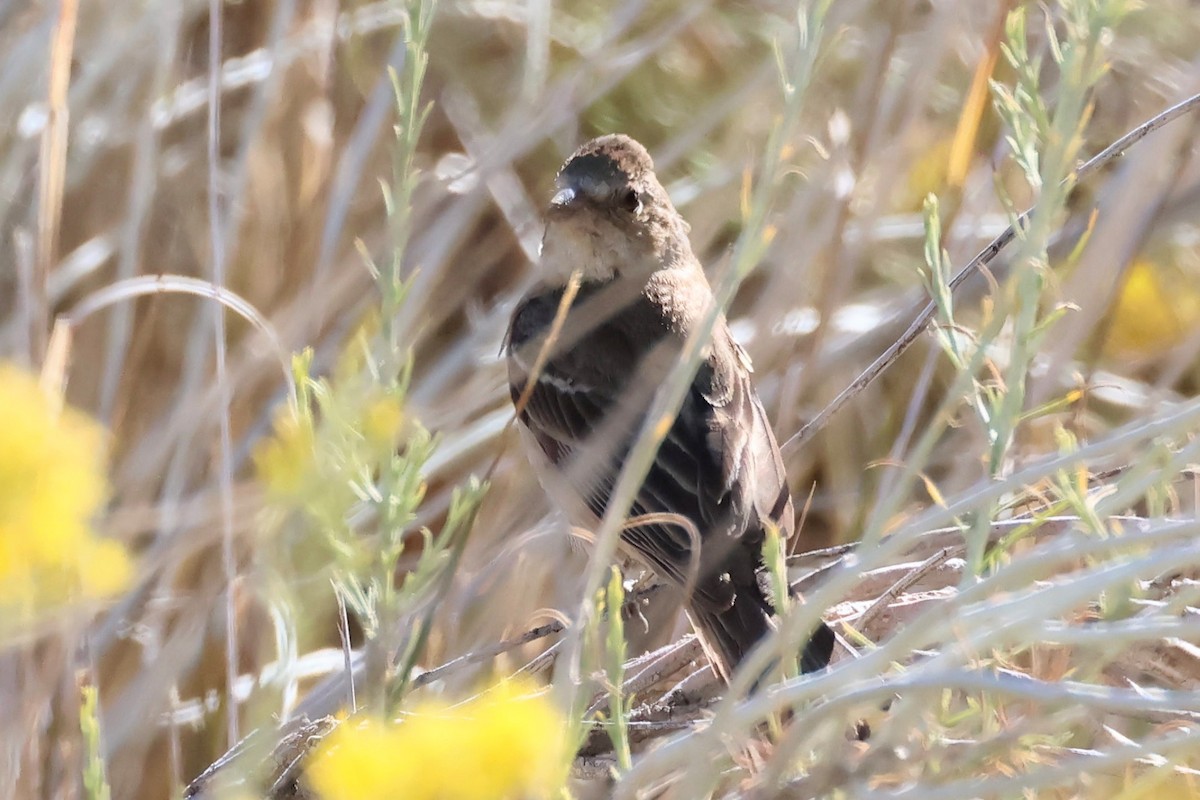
[[1024, 605]]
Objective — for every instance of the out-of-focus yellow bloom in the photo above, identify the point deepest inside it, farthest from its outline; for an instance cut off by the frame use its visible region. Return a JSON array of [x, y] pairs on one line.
[[383, 422], [508, 743], [1156, 309], [52, 466], [285, 461]]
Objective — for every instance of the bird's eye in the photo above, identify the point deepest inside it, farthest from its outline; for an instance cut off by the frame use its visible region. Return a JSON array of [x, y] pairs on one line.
[[631, 201]]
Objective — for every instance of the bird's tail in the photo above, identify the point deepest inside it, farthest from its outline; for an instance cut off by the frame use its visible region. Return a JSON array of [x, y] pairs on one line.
[[729, 634]]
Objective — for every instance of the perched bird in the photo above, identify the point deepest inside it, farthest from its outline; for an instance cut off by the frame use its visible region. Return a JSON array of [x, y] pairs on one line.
[[717, 481]]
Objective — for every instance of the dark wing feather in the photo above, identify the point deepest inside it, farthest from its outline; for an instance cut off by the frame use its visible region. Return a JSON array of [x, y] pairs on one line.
[[561, 422], [705, 470], [718, 465]]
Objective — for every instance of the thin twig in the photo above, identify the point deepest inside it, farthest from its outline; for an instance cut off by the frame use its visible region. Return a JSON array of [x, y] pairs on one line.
[[899, 587], [489, 652], [985, 257]]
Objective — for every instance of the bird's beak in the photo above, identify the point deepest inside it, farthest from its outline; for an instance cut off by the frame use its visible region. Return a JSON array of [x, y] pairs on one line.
[[563, 197]]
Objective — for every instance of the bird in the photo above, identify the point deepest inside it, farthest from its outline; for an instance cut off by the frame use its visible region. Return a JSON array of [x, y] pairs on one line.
[[583, 384]]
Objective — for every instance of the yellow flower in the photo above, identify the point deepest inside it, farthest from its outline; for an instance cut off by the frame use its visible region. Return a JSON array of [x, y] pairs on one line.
[[360, 760], [1156, 309], [383, 422], [52, 466], [507, 743], [285, 461]]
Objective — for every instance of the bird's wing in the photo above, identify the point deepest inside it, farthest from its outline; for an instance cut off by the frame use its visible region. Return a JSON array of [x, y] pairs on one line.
[[567, 421], [751, 463], [705, 470]]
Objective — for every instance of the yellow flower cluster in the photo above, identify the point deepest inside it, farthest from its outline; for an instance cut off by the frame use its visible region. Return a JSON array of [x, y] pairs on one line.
[[306, 456], [507, 743], [52, 466], [285, 461]]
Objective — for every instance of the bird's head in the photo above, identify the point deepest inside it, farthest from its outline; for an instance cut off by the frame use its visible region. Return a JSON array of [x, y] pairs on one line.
[[610, 216]]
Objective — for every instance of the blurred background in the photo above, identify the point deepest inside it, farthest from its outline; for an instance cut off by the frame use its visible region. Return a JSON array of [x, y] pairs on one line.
[[898, 108]]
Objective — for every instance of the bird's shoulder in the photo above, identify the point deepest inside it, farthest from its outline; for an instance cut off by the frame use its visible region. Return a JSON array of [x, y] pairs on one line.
[[596, 303], [607, 332], [532, 316]]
